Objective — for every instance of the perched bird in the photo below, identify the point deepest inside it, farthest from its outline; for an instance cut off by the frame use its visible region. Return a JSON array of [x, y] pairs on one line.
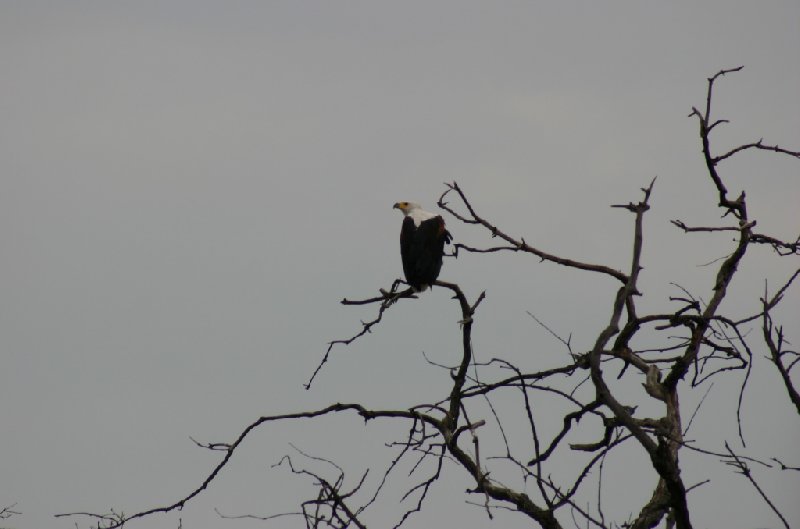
[[422, 240]]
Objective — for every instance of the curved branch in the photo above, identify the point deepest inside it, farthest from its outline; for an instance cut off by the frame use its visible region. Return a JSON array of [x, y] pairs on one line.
[[518, 245], [231, 448], [386, 300]]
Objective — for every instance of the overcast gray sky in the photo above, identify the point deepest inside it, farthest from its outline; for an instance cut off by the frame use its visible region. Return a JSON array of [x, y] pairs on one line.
[[187, 189]]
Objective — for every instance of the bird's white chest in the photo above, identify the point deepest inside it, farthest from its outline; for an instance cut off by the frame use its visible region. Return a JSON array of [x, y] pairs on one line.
[[418, 216]]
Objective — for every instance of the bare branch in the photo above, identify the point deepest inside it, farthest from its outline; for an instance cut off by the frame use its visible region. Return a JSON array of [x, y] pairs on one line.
[[690, 229], [756, 145], [518, 245], [773, 302], [782, 248], [744, 470], [116, 521], [775, 341], [386, 300], [8, 512]]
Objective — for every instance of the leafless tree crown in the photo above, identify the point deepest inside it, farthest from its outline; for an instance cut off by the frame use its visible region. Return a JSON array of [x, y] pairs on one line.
[[694, 342]]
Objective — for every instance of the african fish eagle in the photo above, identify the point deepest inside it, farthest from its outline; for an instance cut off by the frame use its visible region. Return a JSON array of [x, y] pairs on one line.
[[422, 240]]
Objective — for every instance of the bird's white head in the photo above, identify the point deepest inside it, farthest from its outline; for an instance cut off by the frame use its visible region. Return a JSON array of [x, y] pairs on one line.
[[415, 211], [407, 207]]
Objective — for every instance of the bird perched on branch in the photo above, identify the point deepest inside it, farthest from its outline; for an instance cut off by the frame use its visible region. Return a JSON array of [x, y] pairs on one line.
[[422, 240]]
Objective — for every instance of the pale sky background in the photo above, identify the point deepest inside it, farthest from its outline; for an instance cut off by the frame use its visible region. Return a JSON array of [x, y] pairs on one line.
[[187, 190]]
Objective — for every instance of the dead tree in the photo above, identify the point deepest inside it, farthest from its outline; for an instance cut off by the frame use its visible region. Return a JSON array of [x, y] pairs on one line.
[[689, 345]]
